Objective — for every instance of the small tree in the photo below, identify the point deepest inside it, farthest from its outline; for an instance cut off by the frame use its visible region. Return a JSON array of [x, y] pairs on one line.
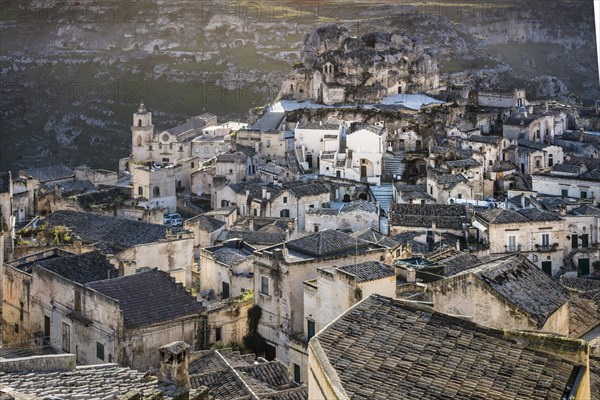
[[253, 340]]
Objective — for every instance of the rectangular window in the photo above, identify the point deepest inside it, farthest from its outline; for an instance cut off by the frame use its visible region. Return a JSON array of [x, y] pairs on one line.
[[546, 239], [584, 240], [310, 328], [218, 337], [21, 311], [225, 292], [311, 206], [264, 285], [297, 376], [66, 338], [77, 300], [564, 193], [583, 195], [100, 351], [316, 228], [512, 243], [285, 199], [460, 195]]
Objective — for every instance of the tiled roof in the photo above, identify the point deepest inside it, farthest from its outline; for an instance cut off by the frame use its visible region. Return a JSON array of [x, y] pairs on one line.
[[586, 210], [424, 215], [50, 173], [270, 121], [97, 381], [119, 232], [522, 284], [526, 215], [458, 263], [70, 188], [372, 236], [232, 157], [369, 271], [229, 256], [192, 126], [149, 297], [328, 243], [4, 182], [533, 214], [580, 284], [484, 139], [254, 237], [592, 175], [391, 349], [231, 376], [583, 316], [568, 168], [469, 162], [449, 181], [84, 268], [301, 189], [359, 205], [206, 223]]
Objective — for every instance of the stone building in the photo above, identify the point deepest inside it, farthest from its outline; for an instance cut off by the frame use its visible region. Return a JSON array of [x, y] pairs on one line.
[[206, 230], [169, 146], [533, 157], [284, 200], [134, 320], [279, 270], [435, 355], [330, 294], [576, 178], [230, 375], [582, 227], [338, 68], [356, 154], [506, 293], [541, 128], [226, 270], [7, 219], [538, 234], [133, 245], [18, 325], [428, 218], [353, 216]]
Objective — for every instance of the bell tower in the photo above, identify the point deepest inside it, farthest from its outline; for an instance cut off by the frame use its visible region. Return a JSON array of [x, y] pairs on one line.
[[142, 132]]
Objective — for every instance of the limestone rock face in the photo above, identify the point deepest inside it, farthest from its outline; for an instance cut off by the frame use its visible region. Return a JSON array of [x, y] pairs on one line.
[[337, 67]]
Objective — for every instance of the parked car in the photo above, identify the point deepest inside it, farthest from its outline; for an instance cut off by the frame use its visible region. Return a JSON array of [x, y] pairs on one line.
[[173, 219]]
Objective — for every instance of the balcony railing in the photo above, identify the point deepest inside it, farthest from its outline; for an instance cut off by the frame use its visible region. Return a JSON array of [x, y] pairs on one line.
[[513, 248], [544, 248]]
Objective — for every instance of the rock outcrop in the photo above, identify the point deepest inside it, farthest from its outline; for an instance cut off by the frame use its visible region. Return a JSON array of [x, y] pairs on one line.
[[336, 67]]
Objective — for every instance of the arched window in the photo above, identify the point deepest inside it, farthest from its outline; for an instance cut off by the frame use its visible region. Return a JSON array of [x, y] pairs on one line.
[[140, 191], [550, 160], [139, 140], [156, 191], [284, 213], [139, 122]]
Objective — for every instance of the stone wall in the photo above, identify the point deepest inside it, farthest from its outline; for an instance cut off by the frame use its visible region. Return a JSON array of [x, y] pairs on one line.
[[48, 363]]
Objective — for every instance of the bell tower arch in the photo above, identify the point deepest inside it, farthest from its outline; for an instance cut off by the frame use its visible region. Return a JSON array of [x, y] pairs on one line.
[[142, 133]]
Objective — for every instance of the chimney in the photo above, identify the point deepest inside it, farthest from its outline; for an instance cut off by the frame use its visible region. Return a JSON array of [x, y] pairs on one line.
[[174, 364], [264, 193], [522, 201]]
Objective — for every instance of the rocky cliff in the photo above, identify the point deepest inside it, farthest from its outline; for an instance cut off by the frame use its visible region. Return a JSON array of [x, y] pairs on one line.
[[337, 67]]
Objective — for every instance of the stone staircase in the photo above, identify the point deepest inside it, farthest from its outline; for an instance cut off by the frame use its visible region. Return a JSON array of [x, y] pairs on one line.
[[384, 195], [393, 166]]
